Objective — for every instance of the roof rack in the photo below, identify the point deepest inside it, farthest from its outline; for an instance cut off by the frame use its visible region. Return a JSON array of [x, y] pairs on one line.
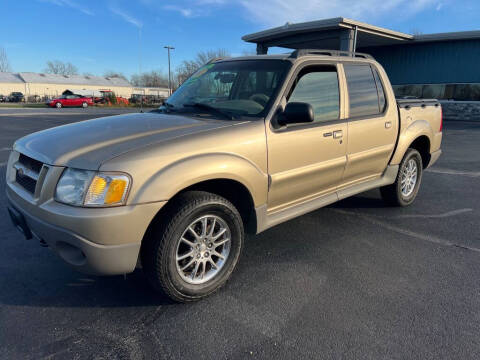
[[304, 52], [215, 59]]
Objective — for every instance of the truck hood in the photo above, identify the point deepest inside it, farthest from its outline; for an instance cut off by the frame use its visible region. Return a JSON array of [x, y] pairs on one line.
[[88, 144]]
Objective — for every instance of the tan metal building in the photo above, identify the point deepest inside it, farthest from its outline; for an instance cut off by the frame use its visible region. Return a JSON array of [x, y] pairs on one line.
[[151, 91], [54, 85], [10, 82], [51, 85]]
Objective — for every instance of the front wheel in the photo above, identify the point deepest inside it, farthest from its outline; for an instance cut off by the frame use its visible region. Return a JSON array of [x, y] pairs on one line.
[[58, 105], [405, 188], [192, 251]]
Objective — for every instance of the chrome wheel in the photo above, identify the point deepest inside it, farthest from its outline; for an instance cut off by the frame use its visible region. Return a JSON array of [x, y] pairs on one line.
[[58, 105], [203, 249], [409, 177]]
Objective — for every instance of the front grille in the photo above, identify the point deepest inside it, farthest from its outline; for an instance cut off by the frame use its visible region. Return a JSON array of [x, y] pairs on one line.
[[30, 163], [26, 182], [28, 171]]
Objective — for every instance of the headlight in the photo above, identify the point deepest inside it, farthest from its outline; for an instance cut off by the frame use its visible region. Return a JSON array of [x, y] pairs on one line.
[[90, 188]]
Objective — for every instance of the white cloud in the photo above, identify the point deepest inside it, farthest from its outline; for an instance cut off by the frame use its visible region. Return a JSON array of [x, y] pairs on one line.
[[187, 12], [278, 12], [71, 4], [126, 16]]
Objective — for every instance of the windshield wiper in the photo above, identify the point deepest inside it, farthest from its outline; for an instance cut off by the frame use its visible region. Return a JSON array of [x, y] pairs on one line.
[[211, 109], [168, 107]]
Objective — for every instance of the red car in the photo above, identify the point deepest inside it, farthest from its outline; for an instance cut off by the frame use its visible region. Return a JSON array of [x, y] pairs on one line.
[[71, 100]]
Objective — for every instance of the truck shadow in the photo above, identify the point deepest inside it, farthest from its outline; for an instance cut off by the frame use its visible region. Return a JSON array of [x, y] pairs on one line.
[[43, 280], [367, 200]]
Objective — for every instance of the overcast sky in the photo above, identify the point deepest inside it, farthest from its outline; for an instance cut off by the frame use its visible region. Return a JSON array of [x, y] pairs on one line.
[[100, 35]]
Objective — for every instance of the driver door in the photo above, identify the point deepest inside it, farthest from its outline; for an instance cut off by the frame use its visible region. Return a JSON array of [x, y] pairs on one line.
[[307, 161]]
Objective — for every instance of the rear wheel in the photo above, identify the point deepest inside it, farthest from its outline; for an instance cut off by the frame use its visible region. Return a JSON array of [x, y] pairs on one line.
[[58, 105], [193, 251], [84, 105], [405, 188]]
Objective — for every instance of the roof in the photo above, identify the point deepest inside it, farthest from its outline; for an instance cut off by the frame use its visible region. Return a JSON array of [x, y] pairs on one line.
[[284, 56], [324, 34], [458, 35], [291, 56], [6, 77], [368, 35], [38, 78]]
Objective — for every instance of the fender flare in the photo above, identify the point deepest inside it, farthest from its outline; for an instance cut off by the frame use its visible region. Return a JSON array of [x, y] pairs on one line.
[[181, 174], [413, 131]]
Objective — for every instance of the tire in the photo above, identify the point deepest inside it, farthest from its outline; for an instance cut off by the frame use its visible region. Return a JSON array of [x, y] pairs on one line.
[[393, 194], [165, 254], [84, 105], [58, 105]]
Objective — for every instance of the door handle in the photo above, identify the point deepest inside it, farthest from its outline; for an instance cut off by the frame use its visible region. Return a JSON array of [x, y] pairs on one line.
[[337, 134], [388, 125], [327, 134]]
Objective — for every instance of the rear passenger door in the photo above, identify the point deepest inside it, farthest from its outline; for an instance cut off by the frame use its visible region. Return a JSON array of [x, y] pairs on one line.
[[372, 124], [69, 100], [78, 100]]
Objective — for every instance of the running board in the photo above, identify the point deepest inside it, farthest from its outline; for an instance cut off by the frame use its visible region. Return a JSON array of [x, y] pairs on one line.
[[266, 221]]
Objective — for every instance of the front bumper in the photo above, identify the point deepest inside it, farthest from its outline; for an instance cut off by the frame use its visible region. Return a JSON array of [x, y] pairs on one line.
[[100, 241], [86, 254]]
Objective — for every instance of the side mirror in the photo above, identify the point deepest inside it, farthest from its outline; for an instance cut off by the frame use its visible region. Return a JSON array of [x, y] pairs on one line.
[[296, 113]]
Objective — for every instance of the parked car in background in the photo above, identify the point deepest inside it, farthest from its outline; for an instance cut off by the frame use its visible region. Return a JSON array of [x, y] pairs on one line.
[[71, 100], [15, 96], [3, 98]]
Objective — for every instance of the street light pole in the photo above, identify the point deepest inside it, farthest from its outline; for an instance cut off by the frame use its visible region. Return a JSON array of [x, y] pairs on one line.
[[169, 72]]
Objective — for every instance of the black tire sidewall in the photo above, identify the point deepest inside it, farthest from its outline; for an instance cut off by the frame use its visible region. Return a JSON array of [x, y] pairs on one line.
[[415, 155], [169, 272]]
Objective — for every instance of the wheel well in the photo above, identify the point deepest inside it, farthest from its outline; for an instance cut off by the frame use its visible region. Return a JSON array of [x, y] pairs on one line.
[[422, 145], [233, 191]]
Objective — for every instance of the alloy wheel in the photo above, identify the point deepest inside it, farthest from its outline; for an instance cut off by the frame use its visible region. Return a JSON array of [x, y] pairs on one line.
[[409, 177], [203, 249]]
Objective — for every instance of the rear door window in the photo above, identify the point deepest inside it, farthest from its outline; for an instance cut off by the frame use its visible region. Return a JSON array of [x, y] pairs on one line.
[[362, 90]]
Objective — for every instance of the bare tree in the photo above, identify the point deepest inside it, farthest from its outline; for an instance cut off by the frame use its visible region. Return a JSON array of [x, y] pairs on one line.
[[61, 68], [4, 63], [188, 67], [114, 74], [152, 79]]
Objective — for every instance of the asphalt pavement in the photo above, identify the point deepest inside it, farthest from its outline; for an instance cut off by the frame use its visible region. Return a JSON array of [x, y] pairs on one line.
[[352, 280]]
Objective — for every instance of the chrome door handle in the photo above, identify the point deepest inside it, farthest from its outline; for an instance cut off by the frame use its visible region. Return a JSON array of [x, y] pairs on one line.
[[337, 134], [388, 125]]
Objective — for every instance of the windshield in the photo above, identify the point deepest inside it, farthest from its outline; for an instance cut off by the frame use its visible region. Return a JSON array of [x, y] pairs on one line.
[[238, 88]]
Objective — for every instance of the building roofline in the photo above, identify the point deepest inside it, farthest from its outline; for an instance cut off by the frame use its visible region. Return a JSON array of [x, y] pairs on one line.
[[321, 25], [277, 34], [458, 35]]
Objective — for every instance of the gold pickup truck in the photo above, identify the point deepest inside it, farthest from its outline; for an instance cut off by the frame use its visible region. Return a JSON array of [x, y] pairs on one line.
[[243, 145]]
